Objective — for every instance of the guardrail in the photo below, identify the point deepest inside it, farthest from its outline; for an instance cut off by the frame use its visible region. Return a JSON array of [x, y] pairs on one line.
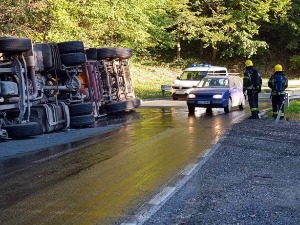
[[164, 88]]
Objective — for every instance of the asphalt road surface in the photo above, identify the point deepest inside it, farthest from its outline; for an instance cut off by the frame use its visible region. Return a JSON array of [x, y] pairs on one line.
[[103, 179]]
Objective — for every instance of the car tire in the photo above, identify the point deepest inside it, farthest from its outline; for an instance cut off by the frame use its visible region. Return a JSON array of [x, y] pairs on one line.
[[191, 109], [208, 111], [227, 108]]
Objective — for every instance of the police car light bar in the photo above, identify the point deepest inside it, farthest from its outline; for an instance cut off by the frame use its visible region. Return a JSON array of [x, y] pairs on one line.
[[201, 65]]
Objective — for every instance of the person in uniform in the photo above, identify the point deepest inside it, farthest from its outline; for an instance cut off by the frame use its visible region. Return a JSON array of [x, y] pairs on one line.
[[252, 85], [278, 82]]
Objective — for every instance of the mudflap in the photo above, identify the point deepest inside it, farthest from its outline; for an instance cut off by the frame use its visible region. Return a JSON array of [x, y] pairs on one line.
[[51, 117]]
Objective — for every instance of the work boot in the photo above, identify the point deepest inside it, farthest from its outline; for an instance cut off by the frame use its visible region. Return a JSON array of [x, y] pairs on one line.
[[253, 117]]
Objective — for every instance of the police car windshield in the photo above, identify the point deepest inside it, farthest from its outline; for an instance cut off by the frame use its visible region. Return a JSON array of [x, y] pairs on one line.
[[214, 82], [193, 75]]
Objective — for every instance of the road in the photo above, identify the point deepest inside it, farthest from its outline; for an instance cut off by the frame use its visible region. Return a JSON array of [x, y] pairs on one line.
[[116, 173]]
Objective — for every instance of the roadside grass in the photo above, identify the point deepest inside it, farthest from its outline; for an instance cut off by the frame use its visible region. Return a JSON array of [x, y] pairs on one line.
[[292, 112], [147, 80]]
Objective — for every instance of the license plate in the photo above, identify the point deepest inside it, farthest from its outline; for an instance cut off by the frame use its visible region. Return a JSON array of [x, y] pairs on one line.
[[180, 92], [203, 102]]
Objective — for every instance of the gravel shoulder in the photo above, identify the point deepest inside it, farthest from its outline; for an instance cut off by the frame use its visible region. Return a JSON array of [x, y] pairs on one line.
[[253, 177]]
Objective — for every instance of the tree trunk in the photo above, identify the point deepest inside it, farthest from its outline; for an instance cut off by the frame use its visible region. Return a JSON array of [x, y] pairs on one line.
[[201, 49], [178, 46], [214, 54]]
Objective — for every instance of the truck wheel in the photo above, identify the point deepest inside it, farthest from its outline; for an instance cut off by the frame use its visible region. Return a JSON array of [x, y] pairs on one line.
[[82, 121], [137, 102], [91, 53], [70, 47], [104, 53], [13, 45], [115, 107], [123, 53], [81, 109], [73, 59], [23, 130], [227, 108]]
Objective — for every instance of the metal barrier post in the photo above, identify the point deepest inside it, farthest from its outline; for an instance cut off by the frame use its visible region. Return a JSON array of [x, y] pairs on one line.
[[164, 88], [287, 99]]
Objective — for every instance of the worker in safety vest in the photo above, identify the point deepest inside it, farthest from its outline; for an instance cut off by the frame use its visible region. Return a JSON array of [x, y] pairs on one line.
[[278, 82], [252, 84]]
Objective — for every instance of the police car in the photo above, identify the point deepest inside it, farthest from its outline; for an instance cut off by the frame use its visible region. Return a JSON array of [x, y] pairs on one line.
[[223, 91], [191, 76]]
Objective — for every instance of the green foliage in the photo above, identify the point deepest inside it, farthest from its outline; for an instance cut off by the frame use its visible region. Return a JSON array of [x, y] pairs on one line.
[[294, 107], [235, 29], [147, 80], [292, 112], [295, 61]]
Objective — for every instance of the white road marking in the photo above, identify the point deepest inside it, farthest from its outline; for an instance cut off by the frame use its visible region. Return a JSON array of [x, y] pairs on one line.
[[160, 197], [187, 171], [148, 210]]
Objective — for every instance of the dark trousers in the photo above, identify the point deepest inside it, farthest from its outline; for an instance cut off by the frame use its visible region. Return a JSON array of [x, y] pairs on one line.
[[277, 100], [253, 101]]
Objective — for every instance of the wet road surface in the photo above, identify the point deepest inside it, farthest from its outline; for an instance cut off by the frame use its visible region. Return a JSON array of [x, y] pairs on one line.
[[105, 182]]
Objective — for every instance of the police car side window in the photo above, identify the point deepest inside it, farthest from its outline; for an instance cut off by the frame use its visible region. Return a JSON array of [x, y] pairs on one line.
[[220, 72]]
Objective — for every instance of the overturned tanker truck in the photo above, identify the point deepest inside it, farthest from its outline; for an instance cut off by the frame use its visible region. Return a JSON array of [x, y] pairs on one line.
[[47, 87]]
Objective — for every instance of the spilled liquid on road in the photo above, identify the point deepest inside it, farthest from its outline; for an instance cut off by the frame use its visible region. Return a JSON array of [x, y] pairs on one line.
[[105, 182]]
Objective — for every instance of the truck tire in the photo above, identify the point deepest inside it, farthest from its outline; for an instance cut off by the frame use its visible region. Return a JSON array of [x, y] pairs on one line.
[[137, 102], [81, 109], [17, 131], [14, 45], [73, 59], [70, 47], [91, 53], [123, 53], [115, 107], [82, 121], [104, 53]]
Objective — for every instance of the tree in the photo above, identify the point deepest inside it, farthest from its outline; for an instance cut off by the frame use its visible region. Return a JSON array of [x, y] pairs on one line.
[[22, 18]]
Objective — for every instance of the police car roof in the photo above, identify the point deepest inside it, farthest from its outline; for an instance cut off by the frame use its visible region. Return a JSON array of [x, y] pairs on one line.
[[217, 76]]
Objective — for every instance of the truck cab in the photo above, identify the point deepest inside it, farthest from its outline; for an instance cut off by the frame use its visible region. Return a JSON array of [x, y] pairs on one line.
[[191, 76]]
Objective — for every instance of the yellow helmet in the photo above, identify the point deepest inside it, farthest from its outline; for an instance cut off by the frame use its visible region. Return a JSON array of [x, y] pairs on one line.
[[278, 67], [248, 63]]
